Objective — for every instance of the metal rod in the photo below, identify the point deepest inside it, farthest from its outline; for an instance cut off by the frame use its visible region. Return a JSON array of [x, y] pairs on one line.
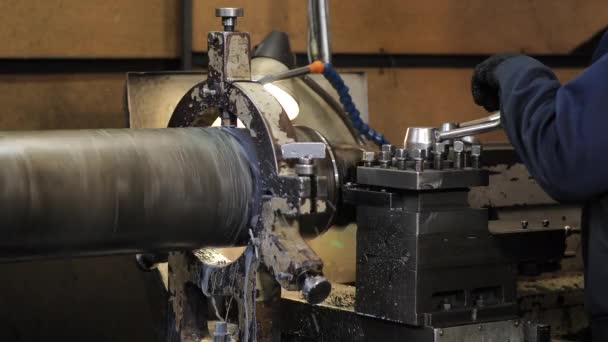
[[468, 130], [285, 75], [100, 192], [324, 38], [493, 117], [319, 39]]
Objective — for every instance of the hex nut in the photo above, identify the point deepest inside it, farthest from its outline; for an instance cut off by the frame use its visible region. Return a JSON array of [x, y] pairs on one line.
[[439, 148], [384, 156], [401, 153], [458, 146], [476, 150], [368, 156], [387, 148]]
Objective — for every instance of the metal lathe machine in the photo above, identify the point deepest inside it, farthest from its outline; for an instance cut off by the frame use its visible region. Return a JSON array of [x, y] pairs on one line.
[[454, 240]]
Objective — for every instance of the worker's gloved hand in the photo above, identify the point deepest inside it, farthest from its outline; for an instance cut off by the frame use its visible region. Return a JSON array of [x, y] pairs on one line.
[[484, 85]]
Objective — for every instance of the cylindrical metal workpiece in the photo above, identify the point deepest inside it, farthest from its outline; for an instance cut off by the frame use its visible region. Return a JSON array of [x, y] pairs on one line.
[[97, 192]]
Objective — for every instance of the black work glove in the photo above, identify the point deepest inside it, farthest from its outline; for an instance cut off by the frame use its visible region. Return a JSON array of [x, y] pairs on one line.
[[484, 85]]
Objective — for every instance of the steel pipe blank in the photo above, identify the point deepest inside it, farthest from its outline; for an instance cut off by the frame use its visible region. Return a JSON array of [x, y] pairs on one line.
[[96, 192]]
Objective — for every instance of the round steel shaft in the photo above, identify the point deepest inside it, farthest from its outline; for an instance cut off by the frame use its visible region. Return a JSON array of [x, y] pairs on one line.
[[96, 192]]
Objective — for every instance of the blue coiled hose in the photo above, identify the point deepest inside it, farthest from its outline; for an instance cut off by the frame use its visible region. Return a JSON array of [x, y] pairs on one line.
[[349, 106]]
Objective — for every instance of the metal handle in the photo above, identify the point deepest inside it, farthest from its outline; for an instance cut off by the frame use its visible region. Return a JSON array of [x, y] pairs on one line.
[[493, 117], [479, 126]]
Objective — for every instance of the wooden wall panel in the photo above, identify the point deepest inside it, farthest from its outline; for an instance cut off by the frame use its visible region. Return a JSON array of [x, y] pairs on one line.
[[91, 28], [151, 28], [401, 98], [61, 101], [412, 26]]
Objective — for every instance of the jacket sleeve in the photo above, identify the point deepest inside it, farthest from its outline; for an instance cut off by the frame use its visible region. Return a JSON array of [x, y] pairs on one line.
[[560, 132]]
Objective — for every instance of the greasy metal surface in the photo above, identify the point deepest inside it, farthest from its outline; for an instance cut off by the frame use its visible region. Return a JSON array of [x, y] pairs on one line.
[[555, 299], [221, 282], [511, 331], [94, 192], [510, 182], [335, 320], [276, 231], [427, 180], [424, 258]]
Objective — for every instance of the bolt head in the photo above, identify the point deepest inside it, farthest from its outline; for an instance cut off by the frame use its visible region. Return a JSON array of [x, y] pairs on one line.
[[439, 148], [401, 153], [458, 146], [476, 150], [387, 148], [524, 224], [368, 156], [384, 156], [229, 12]]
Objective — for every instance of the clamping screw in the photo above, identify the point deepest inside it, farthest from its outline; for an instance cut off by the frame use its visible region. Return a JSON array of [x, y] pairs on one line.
[[387, 148], [400, 157], [419, 156], [438, 152], [229, 15], [476, 156], [384, 158], [458, 150], [368, 158]]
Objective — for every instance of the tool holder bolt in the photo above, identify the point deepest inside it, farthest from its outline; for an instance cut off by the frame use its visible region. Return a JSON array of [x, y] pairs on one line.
[[458, 148], [229, 15], [387, 148], [476, 156], [400, 157], [384, 158], [368, 158], [419, 156], [438, 153]]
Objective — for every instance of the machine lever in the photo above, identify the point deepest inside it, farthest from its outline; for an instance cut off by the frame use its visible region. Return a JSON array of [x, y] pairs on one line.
[[484, 125]]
